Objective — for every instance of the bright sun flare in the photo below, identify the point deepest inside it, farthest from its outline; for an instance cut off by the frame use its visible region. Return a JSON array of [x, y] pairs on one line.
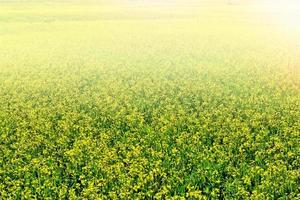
[[285, 12]]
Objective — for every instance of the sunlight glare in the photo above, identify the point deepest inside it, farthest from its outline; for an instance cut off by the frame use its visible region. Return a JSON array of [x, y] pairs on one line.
[[284, 12]]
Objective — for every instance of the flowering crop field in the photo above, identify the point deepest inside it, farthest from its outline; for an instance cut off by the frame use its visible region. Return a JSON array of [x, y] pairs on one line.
[[147, 100]]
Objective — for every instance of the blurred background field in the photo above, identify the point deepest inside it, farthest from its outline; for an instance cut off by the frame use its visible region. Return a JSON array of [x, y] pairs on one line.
[[137, 99]]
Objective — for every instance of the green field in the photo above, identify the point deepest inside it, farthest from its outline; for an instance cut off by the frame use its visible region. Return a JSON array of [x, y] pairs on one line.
[[139, 100]]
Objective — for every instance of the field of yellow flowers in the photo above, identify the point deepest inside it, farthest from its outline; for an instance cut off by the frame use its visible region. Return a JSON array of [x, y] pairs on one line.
[[140, 100]]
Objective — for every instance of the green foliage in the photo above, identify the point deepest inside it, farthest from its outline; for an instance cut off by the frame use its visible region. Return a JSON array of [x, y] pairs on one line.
[[111, 102]]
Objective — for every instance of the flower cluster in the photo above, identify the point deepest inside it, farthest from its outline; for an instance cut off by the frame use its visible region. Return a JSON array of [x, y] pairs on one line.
[[169, 114]]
